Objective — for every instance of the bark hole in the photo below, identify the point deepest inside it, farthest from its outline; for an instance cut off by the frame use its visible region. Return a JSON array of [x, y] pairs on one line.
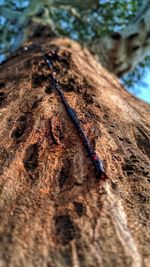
[[48, 90], [31, 158], [55, 130], [135, 48], [88, 98], [28, 63], [128, 168], [79, 208], [20, 129], [64, 176], [115, 35], [2, 98], [69, 85], [132, 36], [134, 159], [37, 80], [65, 229], [36, 103], [141, 198], [2, 84]]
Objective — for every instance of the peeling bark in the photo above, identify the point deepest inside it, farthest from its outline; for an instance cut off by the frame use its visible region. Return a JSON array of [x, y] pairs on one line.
[[54, 212]]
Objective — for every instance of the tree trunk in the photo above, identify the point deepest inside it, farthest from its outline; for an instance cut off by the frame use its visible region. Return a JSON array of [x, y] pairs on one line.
[[54, 210], [121, 52]]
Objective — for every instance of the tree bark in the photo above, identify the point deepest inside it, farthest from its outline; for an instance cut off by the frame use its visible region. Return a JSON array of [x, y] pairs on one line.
[[54, 210]]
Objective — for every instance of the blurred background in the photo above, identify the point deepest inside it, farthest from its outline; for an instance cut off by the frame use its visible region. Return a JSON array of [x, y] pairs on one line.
[[82, 20]]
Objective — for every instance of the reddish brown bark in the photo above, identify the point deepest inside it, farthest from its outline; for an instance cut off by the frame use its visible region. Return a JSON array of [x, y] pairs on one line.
[[54, 212]]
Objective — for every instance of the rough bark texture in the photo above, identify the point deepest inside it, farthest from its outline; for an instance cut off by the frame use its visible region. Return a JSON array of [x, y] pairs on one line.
[[53, 210]]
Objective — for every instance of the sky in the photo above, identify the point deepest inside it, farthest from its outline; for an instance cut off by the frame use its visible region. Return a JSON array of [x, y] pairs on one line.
[[144, 92]]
